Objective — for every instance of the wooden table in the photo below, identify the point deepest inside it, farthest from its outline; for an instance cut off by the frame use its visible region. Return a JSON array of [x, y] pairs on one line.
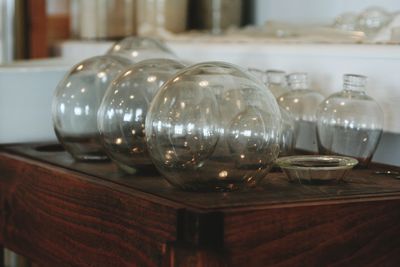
[[59, 212]]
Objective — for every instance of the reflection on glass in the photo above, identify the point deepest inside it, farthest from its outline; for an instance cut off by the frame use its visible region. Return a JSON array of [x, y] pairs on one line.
[[213, 127], [136, 49], [301, 102], [122, 114], [350, 122], [76, 102]]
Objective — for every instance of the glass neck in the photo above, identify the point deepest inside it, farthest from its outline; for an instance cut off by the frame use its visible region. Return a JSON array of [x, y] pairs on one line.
[[298, 81], [298, 86], [276, 77], [353, 82], [352, 87]]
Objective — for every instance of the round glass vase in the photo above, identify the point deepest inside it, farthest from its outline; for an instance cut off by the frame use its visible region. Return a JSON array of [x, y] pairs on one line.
[[350, 122], [76, 102], [301, 103], [122, 114], [213, 126], [276, 81]]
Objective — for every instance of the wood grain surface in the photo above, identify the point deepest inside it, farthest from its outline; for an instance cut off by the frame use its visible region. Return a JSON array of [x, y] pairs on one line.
[[63, 213], [60, 218]]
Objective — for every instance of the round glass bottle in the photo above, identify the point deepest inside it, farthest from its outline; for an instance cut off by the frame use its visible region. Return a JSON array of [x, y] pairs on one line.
[[122, 114], [213, 126], [301, 102], [276, 81], [76, 102], [350, 122]]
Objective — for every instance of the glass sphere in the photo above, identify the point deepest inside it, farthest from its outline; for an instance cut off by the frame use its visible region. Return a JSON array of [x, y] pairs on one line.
[[76, 102], [301, 102], [350, 122], [275, 81], [122, 114], [139, 48], [372, 19], [346, 22], [213, 126]]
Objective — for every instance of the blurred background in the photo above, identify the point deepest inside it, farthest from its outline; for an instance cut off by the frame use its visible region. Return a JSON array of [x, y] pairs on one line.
[[33, 28]]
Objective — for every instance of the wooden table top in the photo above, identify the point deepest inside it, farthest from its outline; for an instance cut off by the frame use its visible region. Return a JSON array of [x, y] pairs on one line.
[[360, 184], [60, 212]]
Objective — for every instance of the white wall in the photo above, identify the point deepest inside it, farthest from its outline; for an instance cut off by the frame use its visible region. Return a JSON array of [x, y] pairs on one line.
[[314, 11]]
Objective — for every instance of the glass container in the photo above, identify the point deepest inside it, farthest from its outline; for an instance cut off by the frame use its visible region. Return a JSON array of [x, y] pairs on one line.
[[301, 102], [287, 139], [276, 80], [350, 122], [76, 101], [139, 48], [346, 21], [213, 126], [372, 19], [122, 114], [316, 169]]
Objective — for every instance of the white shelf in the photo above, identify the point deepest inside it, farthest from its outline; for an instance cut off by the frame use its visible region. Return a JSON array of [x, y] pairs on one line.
[[326, 63]]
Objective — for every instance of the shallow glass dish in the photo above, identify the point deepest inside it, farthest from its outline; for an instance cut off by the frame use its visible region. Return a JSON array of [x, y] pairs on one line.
[[314, 168]]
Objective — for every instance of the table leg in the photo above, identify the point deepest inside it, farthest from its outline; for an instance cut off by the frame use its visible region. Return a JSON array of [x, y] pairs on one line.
[[1, 256]]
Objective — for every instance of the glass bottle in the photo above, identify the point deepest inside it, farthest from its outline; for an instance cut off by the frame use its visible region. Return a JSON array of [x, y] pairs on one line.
[[276, 80], [287, 139], [213, 126], [301, 102], [76, 102], [122, 114], [350, 122]]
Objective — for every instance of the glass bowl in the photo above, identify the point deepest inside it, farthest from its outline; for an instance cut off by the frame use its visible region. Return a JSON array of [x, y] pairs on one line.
[[213, 126], [76, 102], [122, 113], [314, 169]]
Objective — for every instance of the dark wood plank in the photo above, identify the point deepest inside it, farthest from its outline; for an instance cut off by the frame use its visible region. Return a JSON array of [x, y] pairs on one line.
[[59, 211], [1, 256], [351, 234], [58, 217], [276, 190]]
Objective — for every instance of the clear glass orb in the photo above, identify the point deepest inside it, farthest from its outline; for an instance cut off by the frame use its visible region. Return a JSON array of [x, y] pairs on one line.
[[122, 114], [301, 103], [76, 102], [213, 126], [139, 48], [347, 21], [350, 122], [372, 19]]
